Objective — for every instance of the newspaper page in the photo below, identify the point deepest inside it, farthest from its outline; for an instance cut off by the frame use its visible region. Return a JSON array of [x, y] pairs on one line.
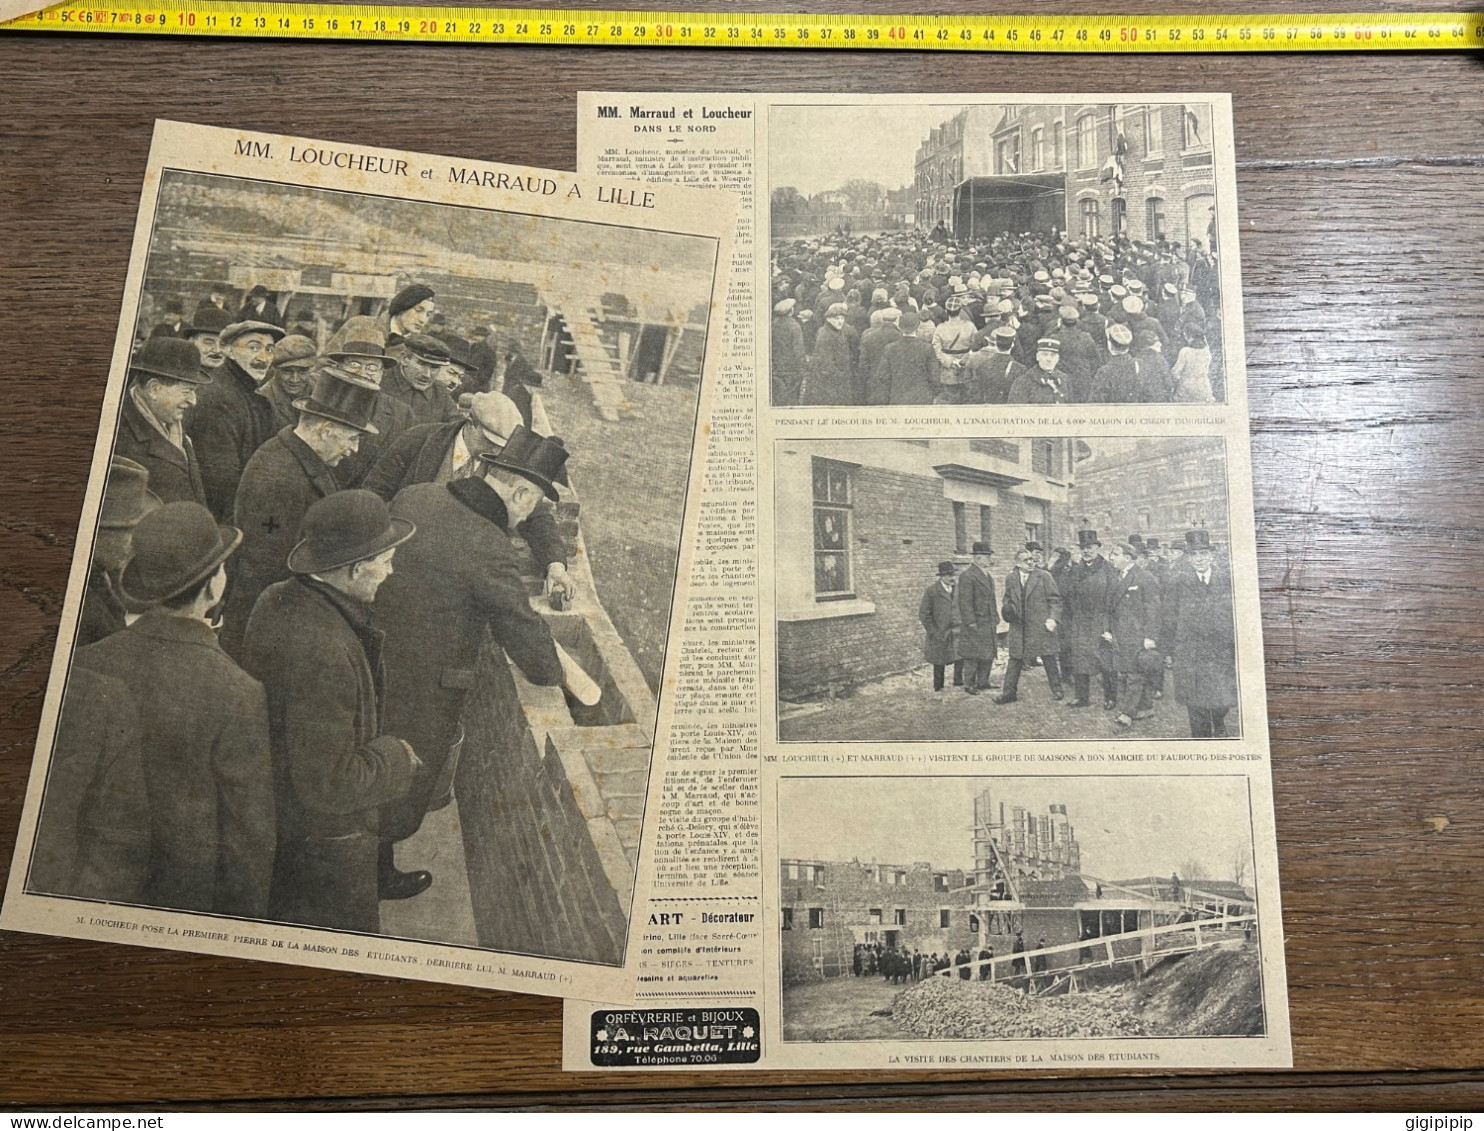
[[365, 631], [970, 764]]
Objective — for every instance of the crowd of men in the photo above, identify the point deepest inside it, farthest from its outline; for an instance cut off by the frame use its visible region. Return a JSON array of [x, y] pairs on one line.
[[1121, 620], [903, 964], [903, 318], [261, 704]]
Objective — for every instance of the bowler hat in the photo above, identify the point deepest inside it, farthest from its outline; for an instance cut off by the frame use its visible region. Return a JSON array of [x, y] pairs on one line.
[[236, 330], [946, 569], [170, 359], [127, 499], [538, 458], [981, 548], [342, 400], [208, 320], [345, 528], [175, 547], [1033, 546], [1198, 538], [1087, 537]]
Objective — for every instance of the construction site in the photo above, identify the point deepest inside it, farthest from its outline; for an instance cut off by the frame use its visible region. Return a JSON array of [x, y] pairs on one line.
[[1032, 942]]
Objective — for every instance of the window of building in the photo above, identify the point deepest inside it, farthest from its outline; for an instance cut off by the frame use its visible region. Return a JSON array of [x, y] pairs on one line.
[[1194, 514], [788, 918], [940, 881], [973, 922], [945, 918], [1154, 218], [960, 528], [1120, 216], [1007, 154], [1058, 146], [1146, 521], [986, 525], [1154, 131], [901, 916], [832, 515], [791, 871], [819, 873], [1037, 527], [1091, 227], [816, 918], [1195, 126], [1087, 141], [1038, 149], [874, 916]]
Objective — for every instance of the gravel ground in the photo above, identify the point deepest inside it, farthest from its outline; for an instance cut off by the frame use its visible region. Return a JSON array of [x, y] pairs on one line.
[[941, 1008]]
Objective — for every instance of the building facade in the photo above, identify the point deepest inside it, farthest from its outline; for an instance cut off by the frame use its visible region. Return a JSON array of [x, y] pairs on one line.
[[1100, 170], [1159, 487], [862, 524]]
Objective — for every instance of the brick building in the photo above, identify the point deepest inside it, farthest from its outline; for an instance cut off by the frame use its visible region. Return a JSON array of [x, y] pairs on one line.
[[862, 524], [1161, 487], [828, 907], [1093, 170]]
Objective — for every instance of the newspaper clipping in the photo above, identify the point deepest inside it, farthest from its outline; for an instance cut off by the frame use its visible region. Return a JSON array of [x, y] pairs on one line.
[[366, 627], [969, 765]]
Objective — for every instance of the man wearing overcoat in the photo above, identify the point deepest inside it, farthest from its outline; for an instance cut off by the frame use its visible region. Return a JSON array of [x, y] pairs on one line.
[[164, 377], [312, 642], [1088, 584], [126, 500], [1202, 637], [230, 421], [979, 616], [1133, 633], [1031, 606], [938, 612], [413, 380]]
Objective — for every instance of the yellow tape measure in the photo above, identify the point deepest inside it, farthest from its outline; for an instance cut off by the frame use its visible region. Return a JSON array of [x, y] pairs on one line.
[[1358, 31]]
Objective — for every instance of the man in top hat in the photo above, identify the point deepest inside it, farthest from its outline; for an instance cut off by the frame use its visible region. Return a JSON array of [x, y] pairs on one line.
[[164, 377], [979, 616], [1085, 594], [203, 721], [290, 377], [1133, 633], [786, 353], [993, 370], [413, 380], [258, 305], [409, 313], [366, 363], [1032, 608], [312, 642], [461, 575], [1202, 637], [230, 421], [283, 479], [939, 613], [126, 500], [442, 453], [204, 333]]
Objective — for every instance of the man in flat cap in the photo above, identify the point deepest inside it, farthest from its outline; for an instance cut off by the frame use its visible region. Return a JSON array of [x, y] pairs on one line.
[[290, 376], [203, 721], [283, 479], [312, 642], [1031, 606], [459, 577], [126, 500], [979, 616], [939, 615], [413, 380], [830, 377], [1201, 633], [787, 353], [229, 420], [164, 378], [409, 312]]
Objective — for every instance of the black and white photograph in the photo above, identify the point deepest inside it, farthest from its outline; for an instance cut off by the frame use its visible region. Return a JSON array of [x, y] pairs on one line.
[[1012, 908], [1004, 588], [994, 253], [374, 621]]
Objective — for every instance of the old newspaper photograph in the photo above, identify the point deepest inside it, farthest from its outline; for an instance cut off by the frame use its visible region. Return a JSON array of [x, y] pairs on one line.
[[969, 762], [362, 656]]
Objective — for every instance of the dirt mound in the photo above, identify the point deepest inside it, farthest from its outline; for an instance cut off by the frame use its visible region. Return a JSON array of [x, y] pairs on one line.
[[949, 1008], [1213, 993]]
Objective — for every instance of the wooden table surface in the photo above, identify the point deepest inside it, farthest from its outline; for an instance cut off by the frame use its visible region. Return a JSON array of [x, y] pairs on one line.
[[1361, 199]]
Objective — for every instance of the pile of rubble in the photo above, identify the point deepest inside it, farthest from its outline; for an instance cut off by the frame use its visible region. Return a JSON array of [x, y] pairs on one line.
[[941, 1008]]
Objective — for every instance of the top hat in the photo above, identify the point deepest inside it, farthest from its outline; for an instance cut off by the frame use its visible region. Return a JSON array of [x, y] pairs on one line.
[[1087, 537], [538, 458], [175, 547], [208, 320], [946, 569], [981, 548], [342, 400], [127, 499], [170, 359], [1198, 538], [345, 528]]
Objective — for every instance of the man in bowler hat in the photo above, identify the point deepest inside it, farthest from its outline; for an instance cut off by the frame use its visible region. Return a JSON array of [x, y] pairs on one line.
[[126, 500], [460, 576], [203, 720], [1202, 637], [939, 614], [979, 615], [312, 642], [164, 377], [1089, 581], [283, 478]]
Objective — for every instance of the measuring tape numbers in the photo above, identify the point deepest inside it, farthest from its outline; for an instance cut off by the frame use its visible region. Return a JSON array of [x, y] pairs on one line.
[[1070, 34]]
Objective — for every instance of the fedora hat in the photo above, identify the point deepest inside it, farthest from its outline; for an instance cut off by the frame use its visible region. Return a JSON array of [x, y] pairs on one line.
[[342, 400], [345, 528], [127, 498], [208, 320], [175, 547], [539, 458], [358, 349], [170, 359]]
